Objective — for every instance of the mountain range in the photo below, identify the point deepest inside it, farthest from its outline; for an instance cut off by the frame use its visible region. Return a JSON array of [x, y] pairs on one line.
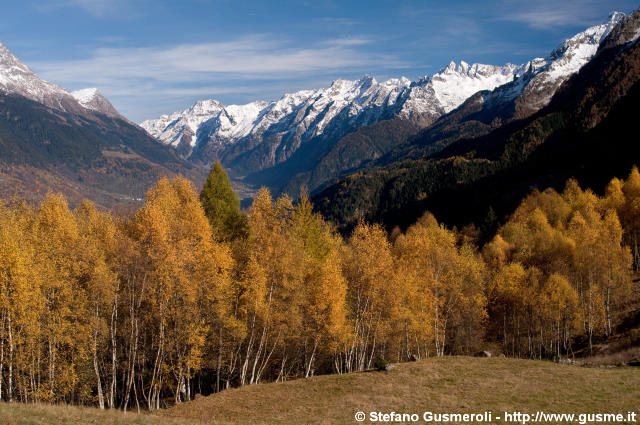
[[311, 137], [586, 131]]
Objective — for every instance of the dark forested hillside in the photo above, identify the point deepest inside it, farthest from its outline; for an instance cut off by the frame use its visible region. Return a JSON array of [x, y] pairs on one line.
[[103, 158], [355, 151], [588, 131]]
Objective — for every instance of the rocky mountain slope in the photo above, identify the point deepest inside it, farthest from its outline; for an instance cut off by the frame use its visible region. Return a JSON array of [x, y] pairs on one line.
[[392, 140], [526, 94], [206, 129], [92, 99], [17, 78]]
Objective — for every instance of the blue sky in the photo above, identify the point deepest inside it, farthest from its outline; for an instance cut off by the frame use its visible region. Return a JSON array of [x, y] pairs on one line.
[[153, 57]]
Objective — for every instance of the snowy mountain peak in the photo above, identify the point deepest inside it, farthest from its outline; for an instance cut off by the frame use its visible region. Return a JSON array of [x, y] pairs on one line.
[[339, 83], [8, 62], [615, 17], [93, 100], [539, 79], [211, 105], [447, 89], [584, 44], [402, 81], [367, 80], [17, 78], [450, 68], [310, 113], [85, 96]]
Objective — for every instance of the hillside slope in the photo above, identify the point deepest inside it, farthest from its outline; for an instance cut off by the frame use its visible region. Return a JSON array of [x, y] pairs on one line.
[[88, 155], [449, 384], [75, 143]]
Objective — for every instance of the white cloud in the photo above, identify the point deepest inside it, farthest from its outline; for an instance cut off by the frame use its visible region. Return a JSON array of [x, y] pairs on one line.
[[247, 65], [257, 57], [548, 14]]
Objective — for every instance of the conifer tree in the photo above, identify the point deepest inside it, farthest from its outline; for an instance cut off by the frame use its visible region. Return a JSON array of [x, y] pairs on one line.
[[222, 207]]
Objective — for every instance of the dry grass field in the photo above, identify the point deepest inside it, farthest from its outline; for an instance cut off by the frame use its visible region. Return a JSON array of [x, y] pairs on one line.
[[450, 384], [42, 414]]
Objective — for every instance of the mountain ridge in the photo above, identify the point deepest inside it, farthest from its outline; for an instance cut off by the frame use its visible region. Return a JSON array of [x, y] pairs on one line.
[[584, 132], [291, 142], [311, 110]]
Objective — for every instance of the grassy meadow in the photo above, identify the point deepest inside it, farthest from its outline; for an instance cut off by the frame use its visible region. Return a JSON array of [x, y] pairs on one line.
[[449, 384]]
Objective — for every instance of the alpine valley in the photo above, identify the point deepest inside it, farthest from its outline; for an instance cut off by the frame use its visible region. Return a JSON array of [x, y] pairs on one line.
[[470, 237], [313, 137], [78, 143]]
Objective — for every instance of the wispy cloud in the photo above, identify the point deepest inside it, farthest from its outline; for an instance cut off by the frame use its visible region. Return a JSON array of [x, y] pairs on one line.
[[336, 22], [347, 42], [549, 14], [97, 7], [231, 67], [256, 56]]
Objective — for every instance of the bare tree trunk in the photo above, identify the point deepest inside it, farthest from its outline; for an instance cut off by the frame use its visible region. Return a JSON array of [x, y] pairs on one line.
[[607, 308], [113, 329], [52, 368], [2, 352], [245, 363], [267, 358], [10, 381], [219, 368], [156, 377], [310, 363], [636, 254], [95, 365], [282, 363], [263, 337], [134, 307]]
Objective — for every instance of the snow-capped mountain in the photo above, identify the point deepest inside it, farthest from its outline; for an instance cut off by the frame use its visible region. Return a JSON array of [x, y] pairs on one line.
[[447, 89], [260, 135], [536, 82], [209, 126], [17, 78], [92, 99], [541, 77], [179, 129], [587, 132], [74, 143]]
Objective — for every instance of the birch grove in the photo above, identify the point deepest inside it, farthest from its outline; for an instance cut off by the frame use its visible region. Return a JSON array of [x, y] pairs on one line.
[[190, 295]]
